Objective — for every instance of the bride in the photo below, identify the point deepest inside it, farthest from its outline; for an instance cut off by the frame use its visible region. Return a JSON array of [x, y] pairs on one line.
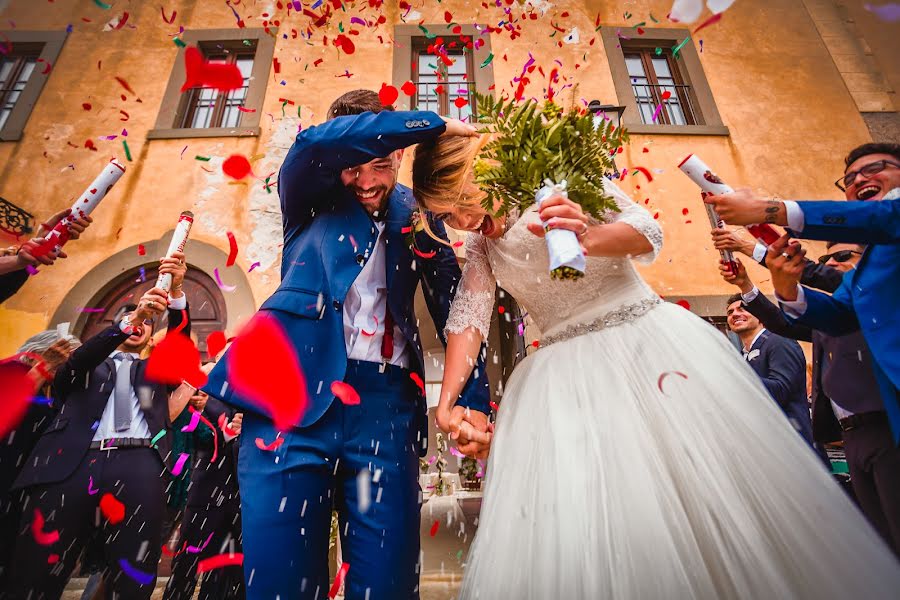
[[635, 454]]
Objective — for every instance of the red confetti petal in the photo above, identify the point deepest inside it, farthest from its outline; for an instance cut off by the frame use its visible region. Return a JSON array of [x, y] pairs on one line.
[[112, 508], [232, 244], [408, 88], [345, 393], [685, 211], [684, 303], [86, 106], [448, 17], [418, 381], [666, 95], [338, 580], [345, 44], [659, 382], [536, 343], [460, 102], [501, 309], [202, 73], [494, 405], [175, 360], [141, 250], [237, 167], [52, 559], [263, 367], [44, 538], [434, 528], [219, 561], [261, 444], [89, 144], [215, 343], [425, 254], [388, 94], [124, 84], [17, 391]]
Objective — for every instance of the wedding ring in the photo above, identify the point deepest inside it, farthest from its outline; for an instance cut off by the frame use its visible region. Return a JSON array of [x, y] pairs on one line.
[[583, 233]]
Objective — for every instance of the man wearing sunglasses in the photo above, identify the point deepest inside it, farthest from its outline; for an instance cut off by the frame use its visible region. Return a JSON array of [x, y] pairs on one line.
[[868, 299]]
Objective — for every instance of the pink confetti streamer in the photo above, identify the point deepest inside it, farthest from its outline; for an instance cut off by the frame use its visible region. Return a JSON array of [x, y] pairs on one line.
[[656, 112], [662, 377], [179, 464], [222, 286], [201, 548], [253, 266], [195, 420], [91, 489]]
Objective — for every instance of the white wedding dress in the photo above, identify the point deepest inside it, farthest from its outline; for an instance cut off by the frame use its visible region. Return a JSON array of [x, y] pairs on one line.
[[637, 455]]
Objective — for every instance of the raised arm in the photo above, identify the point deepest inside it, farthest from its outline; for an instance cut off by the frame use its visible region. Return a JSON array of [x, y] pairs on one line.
[[440, 276], [314, 163], [851, 222]]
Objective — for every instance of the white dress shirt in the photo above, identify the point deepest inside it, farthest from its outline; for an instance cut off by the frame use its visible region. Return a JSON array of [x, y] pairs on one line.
[[365, 308], [138, 428]]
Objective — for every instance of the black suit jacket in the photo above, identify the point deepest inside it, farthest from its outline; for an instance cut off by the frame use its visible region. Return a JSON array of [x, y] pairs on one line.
[[82, 388], [781, 366], [820, 277], [210, 481]]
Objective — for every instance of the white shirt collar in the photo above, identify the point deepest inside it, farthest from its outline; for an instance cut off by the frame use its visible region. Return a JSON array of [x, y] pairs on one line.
[[753, 341]]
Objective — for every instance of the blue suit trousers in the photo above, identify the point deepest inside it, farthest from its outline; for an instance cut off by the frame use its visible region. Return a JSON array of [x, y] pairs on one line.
[[287, 495]]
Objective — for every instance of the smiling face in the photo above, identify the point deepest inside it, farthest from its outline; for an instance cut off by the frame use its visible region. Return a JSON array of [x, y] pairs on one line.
[[373, 182], [873, 187], [136, 341], [855, 251], [468, 218], [739, 320]]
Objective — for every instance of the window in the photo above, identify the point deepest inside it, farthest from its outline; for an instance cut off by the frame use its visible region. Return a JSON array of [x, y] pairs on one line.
[[207, 107], [25, 65], [663, 91], [206, 112], [446, 71]]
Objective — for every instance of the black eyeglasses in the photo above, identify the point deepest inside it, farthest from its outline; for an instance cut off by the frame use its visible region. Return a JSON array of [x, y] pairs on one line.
[[839, 256], [867, 171]]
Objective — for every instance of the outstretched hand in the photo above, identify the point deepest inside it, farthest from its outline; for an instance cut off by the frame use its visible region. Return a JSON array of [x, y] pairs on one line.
[[458, 128], [740, 279], [786, 260]]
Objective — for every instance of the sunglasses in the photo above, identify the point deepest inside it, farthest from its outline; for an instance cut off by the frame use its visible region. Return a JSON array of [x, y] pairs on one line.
[[867, 171], [839, 256]]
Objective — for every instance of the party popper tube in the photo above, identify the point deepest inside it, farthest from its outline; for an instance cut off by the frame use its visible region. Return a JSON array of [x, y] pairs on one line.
[[179, 238]]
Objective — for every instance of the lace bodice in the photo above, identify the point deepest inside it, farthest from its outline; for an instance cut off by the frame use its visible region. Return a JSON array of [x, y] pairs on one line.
[[518, 262]]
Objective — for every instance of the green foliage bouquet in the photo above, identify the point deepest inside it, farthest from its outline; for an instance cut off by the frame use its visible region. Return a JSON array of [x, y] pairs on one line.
[[536, 151]]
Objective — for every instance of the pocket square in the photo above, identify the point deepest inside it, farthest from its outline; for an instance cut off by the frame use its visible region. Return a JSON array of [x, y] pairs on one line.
[[752, 354]]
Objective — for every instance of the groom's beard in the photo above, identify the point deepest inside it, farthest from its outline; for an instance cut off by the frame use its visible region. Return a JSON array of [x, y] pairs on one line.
[[377, 205]]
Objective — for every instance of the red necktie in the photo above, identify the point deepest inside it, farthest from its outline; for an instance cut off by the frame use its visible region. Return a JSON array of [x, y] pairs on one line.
[[387, 341]]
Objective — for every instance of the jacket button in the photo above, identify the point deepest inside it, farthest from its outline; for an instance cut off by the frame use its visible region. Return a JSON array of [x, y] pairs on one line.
[[336, 304], [360, 259]]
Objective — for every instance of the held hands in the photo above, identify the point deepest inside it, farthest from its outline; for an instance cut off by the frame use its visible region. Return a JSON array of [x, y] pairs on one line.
[[740, 279], [724, 239], [743, 207], [176, 266], [458, 128], [786, 259], [470, 428]]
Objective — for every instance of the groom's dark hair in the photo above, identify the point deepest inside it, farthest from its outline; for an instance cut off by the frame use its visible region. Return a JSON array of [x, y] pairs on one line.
[[356, 102], [734, 298]]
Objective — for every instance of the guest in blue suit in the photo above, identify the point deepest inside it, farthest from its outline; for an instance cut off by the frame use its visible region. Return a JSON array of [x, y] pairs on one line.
[[869, 296], [346, 300]]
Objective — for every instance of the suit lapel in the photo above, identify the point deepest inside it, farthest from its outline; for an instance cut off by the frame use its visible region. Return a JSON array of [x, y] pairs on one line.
[[349, 236]]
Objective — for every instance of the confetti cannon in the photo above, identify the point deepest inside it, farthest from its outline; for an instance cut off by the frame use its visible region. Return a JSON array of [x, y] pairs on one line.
[[710, 184], [85, 204], [179, 239]]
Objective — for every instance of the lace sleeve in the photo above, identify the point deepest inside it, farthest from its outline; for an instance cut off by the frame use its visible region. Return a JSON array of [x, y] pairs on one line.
[[636, 216], [474, 301]]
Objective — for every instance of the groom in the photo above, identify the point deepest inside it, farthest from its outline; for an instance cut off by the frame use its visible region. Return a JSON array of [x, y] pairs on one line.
[[346, 300]]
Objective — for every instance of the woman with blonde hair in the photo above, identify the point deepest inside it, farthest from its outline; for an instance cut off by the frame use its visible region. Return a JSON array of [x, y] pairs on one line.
[[635, 454]]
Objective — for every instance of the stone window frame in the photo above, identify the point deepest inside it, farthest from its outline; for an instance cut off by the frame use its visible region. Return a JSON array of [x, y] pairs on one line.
[[52, 43], [405, 36], [691, 71], [172, 105]]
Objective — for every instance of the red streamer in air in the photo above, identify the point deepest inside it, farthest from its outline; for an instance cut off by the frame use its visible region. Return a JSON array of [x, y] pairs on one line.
[[233, 249], [418, 381], [425, 254], [219, 561], [202, 73], [339, 580], [223, 425], [434, 528], [645, 172], [710, 21], [659, 382], [170, 20], [125, 85], [44, 538], [345, 392], [261, 444]]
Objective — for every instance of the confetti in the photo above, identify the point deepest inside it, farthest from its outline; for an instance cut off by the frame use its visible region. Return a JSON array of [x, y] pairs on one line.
[[677, 48], [112, 508], [233, 249], [44, 538], [91, 489], [219, 561], [387, 94], [200, 158], [263, 367], [345, 393], [171, 19], [179, 464], [418, 381], [175, 360], [338, 580], [86, 106], [659, 382], [408, 88], [157, 437], [125, 85], [344, 43], [127, 150], [421, 254], [17, 389], [215, 343], [253, 266], [223, 425], [201, 547], [195, 420], [103, 5], [141, 577], [201, 73], [434, 527], [261, 444], [237, 167], [645, 172], [244, 109], [222, 286], [710, 21], [488, 60]]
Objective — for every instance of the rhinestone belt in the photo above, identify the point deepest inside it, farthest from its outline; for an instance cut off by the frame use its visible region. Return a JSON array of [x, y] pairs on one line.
[[625, 314]]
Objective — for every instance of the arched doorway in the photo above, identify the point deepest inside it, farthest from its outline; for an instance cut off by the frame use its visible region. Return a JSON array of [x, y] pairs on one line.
[[207, 304]]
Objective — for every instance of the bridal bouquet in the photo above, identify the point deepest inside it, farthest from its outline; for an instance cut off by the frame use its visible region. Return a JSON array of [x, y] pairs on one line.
[[536, 151]]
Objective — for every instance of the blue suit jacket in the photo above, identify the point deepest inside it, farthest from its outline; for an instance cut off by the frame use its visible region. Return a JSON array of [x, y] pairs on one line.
[[869, 296], [328, 236]]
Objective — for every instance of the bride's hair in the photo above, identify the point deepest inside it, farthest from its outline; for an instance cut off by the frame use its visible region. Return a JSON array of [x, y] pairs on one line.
[[442, 175]]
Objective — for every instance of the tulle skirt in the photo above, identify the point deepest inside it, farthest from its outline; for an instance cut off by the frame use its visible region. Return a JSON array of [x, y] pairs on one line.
[[646, 460]]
